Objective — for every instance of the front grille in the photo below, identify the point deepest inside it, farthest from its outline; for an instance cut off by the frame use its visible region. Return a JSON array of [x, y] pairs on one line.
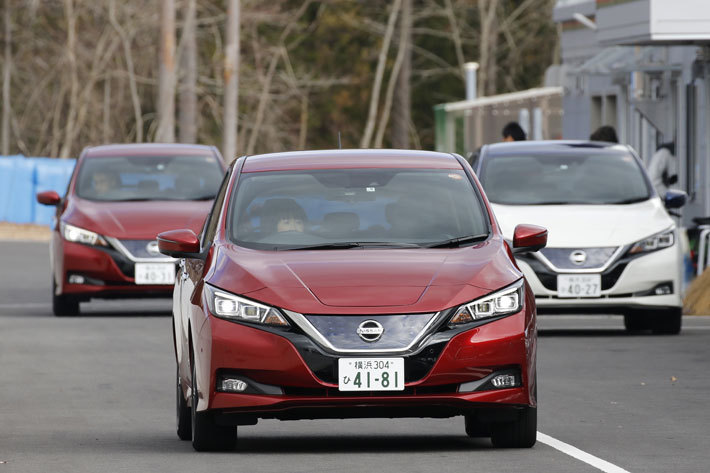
[[325, 366], [399, 331], [139, 249], [548, 278], [593, 257]]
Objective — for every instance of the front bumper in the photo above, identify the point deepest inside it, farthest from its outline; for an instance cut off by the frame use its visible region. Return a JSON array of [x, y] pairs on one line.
[[106, 272], [627, 284], [307, 376]]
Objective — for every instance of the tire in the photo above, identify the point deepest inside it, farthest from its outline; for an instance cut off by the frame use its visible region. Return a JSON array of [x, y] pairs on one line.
[[63, 305], [668, 322], [207, 436], [521, 433], [637, 321], [475, 428], [184, 415]]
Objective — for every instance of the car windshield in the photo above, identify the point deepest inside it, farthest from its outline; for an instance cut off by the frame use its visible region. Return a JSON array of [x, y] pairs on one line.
[[343, 208], [601, 178], [136, 178]]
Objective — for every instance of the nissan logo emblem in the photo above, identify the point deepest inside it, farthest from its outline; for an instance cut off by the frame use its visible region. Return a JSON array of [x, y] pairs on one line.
[[578, 257], [370, 330]]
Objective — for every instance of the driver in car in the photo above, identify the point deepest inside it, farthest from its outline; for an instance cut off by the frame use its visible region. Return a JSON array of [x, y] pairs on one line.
[[283, 215]]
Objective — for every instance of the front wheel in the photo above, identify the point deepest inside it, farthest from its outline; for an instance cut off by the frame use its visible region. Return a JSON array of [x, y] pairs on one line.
[[521, 433], [207, 436], [668, 321], [184, 420], [63, 305]]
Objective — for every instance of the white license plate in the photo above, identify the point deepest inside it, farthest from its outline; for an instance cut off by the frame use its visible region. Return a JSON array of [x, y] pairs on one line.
[[371, 374], [579, 285], [155, 273]]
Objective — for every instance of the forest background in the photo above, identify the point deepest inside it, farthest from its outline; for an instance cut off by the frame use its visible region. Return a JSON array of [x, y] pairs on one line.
[[79, 73]]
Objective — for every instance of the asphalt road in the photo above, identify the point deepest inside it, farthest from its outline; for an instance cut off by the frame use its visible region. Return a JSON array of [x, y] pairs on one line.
[[95, 394]]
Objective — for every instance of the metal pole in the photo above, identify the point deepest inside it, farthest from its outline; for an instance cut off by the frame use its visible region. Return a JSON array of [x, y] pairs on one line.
[[470, 69]]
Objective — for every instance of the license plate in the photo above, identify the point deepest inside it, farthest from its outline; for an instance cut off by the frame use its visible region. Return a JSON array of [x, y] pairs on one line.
[[371, 374], [579, 285], [155, 273]]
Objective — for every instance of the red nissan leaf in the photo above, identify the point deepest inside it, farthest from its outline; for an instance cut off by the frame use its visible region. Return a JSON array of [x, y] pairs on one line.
[[352, 283], [119, 198]]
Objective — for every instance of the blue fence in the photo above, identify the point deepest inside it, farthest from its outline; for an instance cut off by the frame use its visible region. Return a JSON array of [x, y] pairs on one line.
[[20, 180]]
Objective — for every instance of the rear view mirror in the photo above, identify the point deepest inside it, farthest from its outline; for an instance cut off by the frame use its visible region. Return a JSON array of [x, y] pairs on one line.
[[675, 199], [179, 244], [529, 238], [48, 198]]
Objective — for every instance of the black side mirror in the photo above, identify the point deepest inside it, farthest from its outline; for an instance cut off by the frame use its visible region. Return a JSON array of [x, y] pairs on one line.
[[675, 199]]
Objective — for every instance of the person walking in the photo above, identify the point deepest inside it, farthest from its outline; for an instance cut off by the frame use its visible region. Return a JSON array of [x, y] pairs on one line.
[[513, 132], [662, 168], [604, 133]]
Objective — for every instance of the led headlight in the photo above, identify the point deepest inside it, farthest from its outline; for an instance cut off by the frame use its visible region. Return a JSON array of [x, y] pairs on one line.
[[231, 307], [506, 301], [79, 235], [653, 243]]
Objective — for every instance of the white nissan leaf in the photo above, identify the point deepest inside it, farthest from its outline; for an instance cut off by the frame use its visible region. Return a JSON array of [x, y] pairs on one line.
[[612, 247]]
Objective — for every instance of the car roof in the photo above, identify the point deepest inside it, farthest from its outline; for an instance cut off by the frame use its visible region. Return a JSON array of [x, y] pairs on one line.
[[567, 147], [350, 158], [148, 149]]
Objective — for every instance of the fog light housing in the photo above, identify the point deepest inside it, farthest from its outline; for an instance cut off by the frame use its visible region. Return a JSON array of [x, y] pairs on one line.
[[504, 381], [232, 385], [76, 279], [663, 289]]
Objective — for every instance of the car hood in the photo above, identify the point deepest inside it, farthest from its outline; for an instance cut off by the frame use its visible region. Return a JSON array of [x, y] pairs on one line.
[[136, 220], [365, 280], [587, 225]]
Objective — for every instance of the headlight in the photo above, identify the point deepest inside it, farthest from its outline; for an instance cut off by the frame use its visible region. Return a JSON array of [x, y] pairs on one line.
[[504, 302], [228, 306], [79, 235], [653, 243]]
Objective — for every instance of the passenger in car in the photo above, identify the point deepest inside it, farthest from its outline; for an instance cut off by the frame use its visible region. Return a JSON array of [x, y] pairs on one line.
[[104, 182]]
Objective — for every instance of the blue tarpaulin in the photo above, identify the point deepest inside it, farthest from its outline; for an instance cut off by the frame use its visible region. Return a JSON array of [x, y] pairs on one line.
[[20, 180]]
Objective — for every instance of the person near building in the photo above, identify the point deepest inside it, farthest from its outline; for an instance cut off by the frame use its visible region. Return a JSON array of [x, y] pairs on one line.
[[513, 132], [662, 169], [604, 133]]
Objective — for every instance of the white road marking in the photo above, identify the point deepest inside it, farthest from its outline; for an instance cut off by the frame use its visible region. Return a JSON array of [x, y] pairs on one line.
[[26, 305], [581, 455]]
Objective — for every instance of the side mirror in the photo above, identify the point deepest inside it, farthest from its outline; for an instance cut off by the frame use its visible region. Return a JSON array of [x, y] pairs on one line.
[[48, 198], [529, 238], [179, 244], [675, 199]]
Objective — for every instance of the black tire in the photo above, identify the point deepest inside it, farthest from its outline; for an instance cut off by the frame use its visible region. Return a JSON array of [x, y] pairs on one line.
[[184, 415], [668, 322], [207, 436], [637, 321], [63, 305], [521, 433], [475, 428]]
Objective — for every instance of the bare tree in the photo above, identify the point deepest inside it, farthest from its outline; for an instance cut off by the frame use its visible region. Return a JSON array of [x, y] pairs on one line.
[[487, 47], [231, 82], [379, 73], [401, 116], [166, 89], [73, 79], [7, 76], [188, 91]]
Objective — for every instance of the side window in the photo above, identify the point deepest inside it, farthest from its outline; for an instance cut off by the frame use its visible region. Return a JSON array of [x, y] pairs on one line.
[[210, 227]]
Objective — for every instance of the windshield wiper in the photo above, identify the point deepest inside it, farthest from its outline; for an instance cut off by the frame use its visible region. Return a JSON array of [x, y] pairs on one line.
[[633, 200], [456, 242], [353, 244]]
